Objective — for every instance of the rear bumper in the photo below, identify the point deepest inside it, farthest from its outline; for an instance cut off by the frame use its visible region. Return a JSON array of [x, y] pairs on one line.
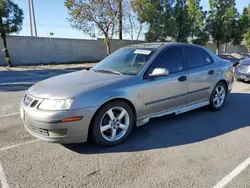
[[48, 126]]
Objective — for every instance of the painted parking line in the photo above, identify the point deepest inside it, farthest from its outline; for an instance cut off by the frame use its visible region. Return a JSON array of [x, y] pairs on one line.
[[3, 179], [8, 115], [17, 145], [233, 174]]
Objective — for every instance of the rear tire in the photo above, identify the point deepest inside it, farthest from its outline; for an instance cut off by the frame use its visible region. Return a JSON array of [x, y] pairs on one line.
[[113, 123], [218, 96]]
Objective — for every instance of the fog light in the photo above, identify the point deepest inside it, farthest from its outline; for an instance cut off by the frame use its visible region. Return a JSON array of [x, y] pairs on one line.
[[57, 132]]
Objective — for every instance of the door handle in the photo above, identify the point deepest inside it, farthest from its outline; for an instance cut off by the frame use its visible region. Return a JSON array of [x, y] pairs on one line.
[[211, 72], [182, 78]]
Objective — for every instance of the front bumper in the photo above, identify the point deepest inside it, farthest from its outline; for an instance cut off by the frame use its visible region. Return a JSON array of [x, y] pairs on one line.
[[47, 125]]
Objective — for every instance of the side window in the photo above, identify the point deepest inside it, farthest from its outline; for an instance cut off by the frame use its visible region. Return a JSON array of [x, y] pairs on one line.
[[170, 59], [208, 58], [194, 57]]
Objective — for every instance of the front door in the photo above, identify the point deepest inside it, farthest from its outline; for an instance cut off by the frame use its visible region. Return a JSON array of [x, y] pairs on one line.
[[166, 93]]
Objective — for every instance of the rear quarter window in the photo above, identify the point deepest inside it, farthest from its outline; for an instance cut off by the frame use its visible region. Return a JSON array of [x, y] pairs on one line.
[[208, 58]]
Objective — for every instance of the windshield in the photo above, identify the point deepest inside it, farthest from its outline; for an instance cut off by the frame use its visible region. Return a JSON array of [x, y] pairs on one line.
[[127, 61]]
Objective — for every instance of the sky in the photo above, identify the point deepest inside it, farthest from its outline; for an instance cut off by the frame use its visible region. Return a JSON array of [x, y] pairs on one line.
[[51, 16]]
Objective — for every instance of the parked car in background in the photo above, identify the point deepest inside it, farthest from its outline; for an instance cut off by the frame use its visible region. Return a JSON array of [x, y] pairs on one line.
[[242, 70], [246, 55], [235, 61], [124, 90]]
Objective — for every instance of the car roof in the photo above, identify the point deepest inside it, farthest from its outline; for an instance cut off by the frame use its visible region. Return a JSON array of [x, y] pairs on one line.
[[155, 45], [158, 45]]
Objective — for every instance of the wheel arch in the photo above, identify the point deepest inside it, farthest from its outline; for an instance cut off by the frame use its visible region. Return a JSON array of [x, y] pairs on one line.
[[109, 101], [223, 81]]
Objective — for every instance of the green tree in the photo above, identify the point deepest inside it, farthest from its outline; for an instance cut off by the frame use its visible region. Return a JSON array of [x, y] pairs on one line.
[[11, 19], [241, 26], [152, 13], [244, 20], [238, 34], [197, 17], [202, 38], [182, 21], [89, 15], [232, 34], [156, 23], [167, 19], [247, 39], [245, 25], [221, 21]]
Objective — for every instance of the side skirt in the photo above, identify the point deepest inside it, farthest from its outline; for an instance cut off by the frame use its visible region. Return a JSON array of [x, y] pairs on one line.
[[176, 112]]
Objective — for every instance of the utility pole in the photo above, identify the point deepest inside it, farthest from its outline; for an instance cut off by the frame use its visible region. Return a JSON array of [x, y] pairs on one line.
[[120, 18], [32, 18], [31, 22]]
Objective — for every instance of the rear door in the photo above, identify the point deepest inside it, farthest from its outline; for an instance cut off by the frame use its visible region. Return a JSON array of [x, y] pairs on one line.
[[201, 74]]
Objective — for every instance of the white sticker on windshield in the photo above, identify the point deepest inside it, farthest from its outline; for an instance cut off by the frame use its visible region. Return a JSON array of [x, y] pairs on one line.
[[144, 52]]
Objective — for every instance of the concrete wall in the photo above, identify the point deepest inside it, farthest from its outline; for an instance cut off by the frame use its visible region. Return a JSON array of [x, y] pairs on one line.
[[30, 50], [230, 48]]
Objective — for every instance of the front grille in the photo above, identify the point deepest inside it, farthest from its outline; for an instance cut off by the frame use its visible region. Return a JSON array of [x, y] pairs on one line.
[[31, 101]]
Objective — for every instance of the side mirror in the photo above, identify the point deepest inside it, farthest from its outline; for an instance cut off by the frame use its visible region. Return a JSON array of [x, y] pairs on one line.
[[159, 72]]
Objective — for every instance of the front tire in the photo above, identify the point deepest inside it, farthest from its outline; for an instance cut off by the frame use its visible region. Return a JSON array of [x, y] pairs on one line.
[[113, 123], [218, 96]]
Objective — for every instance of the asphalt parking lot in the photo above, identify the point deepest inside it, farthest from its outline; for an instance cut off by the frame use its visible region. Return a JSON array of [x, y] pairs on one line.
[[197, 149]]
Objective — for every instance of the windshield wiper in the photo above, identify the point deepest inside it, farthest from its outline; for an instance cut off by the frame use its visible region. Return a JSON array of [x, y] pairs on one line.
[[108, 71]]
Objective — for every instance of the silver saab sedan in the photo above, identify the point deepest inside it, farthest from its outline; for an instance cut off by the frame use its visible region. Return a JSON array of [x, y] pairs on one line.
[[124, 90]]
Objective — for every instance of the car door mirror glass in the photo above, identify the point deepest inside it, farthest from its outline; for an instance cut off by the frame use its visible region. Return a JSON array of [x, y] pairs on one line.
[[159, 72]]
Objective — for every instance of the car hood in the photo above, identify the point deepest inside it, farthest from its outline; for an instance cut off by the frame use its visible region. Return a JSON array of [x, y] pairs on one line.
[[73, 84]]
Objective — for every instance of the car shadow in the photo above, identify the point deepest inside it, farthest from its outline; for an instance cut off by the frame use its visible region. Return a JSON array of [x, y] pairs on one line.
[[170, 131]]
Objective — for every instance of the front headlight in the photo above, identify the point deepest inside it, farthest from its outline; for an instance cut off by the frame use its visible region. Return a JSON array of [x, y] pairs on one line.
[[52, 104]]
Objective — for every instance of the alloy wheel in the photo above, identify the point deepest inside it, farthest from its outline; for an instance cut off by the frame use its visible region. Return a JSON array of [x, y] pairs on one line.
[[114, 124], [219, 96]]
